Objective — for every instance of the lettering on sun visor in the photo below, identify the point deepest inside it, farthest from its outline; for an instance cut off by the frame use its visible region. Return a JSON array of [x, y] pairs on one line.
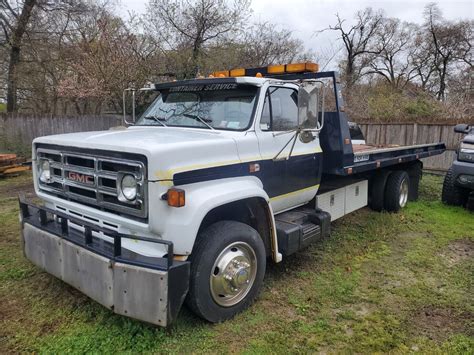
[[188, 88]]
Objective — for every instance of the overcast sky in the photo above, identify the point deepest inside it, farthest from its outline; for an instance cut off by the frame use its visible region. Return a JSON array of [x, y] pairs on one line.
[[306, 17]]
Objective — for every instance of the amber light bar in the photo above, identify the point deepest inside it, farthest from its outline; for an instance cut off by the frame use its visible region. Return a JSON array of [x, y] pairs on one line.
[[290, 68]]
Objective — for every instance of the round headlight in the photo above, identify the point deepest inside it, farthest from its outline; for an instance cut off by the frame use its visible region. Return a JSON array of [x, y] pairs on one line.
[[44, 171], [129, 187]]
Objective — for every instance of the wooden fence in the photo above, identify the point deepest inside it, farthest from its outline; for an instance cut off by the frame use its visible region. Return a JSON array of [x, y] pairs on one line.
[[409, 134], [18, 131]]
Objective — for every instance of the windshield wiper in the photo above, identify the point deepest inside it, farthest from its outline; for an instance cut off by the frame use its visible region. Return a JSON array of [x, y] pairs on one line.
[[200, 119], [157, 119]]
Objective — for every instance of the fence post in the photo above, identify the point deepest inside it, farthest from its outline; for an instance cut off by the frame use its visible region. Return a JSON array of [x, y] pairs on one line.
[[415, 132]]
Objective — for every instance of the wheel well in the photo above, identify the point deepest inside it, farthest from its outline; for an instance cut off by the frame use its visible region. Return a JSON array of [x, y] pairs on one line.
[[252, 211]]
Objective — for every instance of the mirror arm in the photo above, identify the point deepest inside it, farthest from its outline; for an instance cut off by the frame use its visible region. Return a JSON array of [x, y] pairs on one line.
[[322, 110], [124, 106]]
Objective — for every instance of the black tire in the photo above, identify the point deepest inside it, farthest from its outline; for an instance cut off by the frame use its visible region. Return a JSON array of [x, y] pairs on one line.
[[452, 194], [377, 190], [210, 244], [470, 202], [393, 191]]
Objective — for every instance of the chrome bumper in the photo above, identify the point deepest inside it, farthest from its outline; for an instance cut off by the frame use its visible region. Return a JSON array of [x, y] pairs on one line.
[[144, 288]]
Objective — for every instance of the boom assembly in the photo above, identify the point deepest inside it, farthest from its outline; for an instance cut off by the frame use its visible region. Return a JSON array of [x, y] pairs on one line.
[[217, 177]]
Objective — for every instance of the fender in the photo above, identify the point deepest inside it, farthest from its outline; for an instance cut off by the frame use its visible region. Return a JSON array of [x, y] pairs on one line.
[[180, 225]]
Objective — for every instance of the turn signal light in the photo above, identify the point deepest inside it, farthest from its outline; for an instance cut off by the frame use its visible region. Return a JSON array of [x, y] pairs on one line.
[[176, 197]]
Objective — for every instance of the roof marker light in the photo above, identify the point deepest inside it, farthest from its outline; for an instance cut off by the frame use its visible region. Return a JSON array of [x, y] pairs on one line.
[[237, 72], [221, 74], [302, 67], [276, 69]]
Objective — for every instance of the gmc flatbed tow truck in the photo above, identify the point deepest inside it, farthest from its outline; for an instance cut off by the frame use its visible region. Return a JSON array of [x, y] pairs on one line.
[[218, 176]]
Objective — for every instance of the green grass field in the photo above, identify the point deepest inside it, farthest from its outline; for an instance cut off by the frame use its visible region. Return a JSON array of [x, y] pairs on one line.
[[382, 282]]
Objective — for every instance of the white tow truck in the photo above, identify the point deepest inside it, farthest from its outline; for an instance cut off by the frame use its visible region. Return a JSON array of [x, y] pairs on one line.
[[217, 177]]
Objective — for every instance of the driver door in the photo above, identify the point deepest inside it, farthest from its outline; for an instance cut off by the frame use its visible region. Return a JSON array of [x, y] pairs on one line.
[[292, 179]]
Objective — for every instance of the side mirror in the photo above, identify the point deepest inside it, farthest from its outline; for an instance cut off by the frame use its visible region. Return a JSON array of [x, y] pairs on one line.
[[309, 105], [462, 128]]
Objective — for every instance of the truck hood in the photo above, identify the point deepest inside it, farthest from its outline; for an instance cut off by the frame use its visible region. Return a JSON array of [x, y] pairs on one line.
[[469, 138], [166, 148]]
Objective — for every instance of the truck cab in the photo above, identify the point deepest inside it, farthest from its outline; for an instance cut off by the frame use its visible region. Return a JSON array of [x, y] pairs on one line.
[[217, 176]]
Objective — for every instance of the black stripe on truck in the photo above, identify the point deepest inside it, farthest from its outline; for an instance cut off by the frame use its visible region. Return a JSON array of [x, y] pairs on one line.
[[278, 177]]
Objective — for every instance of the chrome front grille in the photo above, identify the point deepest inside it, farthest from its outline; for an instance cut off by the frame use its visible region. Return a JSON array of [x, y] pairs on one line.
[[92, 179]]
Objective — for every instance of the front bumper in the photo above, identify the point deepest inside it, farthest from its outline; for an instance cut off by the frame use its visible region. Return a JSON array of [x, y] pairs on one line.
[[463, 174], [130, 284]]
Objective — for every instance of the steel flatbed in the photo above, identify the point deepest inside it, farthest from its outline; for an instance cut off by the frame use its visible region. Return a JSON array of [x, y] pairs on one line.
[[370, 157]]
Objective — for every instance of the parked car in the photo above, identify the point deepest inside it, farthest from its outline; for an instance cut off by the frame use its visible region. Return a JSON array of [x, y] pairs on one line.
[[458, 186]]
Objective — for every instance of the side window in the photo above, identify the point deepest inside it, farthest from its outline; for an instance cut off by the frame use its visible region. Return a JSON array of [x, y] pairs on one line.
[[280, 111]]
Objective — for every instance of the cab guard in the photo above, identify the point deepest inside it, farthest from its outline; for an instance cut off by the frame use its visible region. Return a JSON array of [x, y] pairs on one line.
[[145, 288]]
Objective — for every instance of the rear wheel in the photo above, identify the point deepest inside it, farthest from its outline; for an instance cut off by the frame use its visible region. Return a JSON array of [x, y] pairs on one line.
[[452, 194], [396, 191], [227, 270]]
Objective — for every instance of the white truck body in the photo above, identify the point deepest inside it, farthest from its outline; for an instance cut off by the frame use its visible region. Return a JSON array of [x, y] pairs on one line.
[[144, 217]]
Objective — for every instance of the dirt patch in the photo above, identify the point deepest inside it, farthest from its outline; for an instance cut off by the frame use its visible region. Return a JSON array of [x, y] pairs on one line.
[[413, 235], [458, 251], [14, 189], [439, 323]]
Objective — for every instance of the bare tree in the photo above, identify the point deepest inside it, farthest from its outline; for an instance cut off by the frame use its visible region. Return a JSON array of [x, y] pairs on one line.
[[451, 42], [394, 45], [358, 41], [195, 23], [14, 21], [422, 59], [263, 44]]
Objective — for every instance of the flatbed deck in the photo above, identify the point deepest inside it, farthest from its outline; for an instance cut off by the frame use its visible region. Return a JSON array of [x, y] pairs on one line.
[[370, 157]]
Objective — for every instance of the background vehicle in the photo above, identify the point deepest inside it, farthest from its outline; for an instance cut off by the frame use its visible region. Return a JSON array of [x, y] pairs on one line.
[[458, 186], [217, 176]]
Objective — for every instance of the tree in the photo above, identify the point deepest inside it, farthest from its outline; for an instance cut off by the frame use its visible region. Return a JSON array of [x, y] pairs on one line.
[[195, 23], [394, 45], [451, 42], [105, 57], [14, 22], [263, 44], [358, 42]]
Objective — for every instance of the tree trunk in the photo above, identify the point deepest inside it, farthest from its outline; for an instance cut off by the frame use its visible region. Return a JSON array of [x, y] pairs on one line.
[[13, 79], [15, 49]]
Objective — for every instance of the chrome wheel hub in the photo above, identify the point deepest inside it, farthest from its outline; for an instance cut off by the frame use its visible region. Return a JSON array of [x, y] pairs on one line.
[[403, 193], [233, 274]]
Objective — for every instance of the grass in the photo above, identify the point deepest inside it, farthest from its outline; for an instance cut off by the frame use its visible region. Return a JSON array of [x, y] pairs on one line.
[[381, 283]]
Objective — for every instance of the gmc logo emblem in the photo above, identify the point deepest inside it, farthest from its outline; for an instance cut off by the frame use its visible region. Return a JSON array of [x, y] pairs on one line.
[[82, 178]]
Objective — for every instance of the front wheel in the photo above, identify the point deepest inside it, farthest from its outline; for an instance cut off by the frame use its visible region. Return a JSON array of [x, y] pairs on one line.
[[227, 269], [452, 194]]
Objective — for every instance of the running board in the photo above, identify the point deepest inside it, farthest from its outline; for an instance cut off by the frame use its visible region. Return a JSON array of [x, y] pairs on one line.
[[299, 228]]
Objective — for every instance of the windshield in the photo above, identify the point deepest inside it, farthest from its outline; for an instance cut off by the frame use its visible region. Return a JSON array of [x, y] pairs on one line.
[[214, 106]]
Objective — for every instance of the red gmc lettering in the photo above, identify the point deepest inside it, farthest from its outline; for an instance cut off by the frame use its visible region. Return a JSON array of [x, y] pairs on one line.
[[85, 179]]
